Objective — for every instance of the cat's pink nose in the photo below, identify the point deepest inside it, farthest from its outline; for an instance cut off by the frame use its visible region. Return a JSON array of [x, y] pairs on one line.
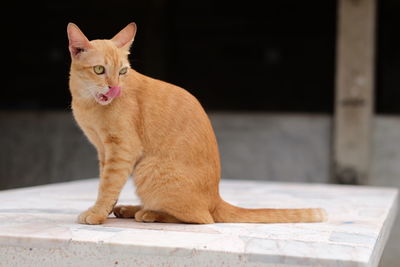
[[114, 87]]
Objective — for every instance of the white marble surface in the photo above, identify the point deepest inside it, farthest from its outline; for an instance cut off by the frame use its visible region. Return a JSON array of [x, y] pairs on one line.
[[38, 228]]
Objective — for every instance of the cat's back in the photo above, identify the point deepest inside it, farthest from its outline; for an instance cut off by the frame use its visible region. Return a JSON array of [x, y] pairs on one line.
[[166, 98], [171, 113]]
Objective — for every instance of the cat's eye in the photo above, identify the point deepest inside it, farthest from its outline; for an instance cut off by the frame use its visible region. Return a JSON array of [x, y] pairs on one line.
[[123, 71], [98, 69]]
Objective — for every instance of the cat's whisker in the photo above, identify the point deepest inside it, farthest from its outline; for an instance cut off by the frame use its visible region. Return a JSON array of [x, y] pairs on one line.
[[92, 90]]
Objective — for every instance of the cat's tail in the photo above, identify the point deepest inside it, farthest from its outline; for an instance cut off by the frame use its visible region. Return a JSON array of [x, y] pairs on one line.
[[227, 213]]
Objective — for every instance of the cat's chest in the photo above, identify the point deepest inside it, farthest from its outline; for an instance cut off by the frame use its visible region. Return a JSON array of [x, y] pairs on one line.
[[95, 119]]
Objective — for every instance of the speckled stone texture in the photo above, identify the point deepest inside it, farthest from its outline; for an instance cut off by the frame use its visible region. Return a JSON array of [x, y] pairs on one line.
[[38, 228]]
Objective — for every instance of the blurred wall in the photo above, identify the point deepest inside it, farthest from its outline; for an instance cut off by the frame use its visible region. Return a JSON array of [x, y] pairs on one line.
[[44, 147]]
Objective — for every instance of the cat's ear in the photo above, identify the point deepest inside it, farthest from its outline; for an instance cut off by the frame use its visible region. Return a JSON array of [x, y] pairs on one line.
[[77, 40], [125, 37]]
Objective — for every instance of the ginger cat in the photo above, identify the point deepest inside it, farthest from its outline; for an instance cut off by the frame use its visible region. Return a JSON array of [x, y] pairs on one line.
[[156, 131]]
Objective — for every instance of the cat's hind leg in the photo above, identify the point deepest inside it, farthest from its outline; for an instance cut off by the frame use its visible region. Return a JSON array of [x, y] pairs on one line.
[[140, 215], [162, 188], [126, 211], [186, 214], [155, 216]]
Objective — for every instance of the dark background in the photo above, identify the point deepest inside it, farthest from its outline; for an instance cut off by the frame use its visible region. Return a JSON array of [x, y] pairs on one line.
[[235, 56]]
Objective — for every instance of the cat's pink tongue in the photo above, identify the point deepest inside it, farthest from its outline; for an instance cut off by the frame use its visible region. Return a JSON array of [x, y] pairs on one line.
[[113, 92]]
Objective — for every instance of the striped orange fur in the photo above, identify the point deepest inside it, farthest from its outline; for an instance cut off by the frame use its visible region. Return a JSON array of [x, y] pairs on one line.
[[157, 132]]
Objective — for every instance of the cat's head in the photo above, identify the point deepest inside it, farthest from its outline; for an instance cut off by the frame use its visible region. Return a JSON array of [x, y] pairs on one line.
[[99, 67]]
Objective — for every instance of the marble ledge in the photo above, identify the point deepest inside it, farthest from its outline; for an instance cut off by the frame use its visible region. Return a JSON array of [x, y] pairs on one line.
[[38, 228]]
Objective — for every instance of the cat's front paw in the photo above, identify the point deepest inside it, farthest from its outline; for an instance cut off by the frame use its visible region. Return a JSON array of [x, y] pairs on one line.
[[92, 217]]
